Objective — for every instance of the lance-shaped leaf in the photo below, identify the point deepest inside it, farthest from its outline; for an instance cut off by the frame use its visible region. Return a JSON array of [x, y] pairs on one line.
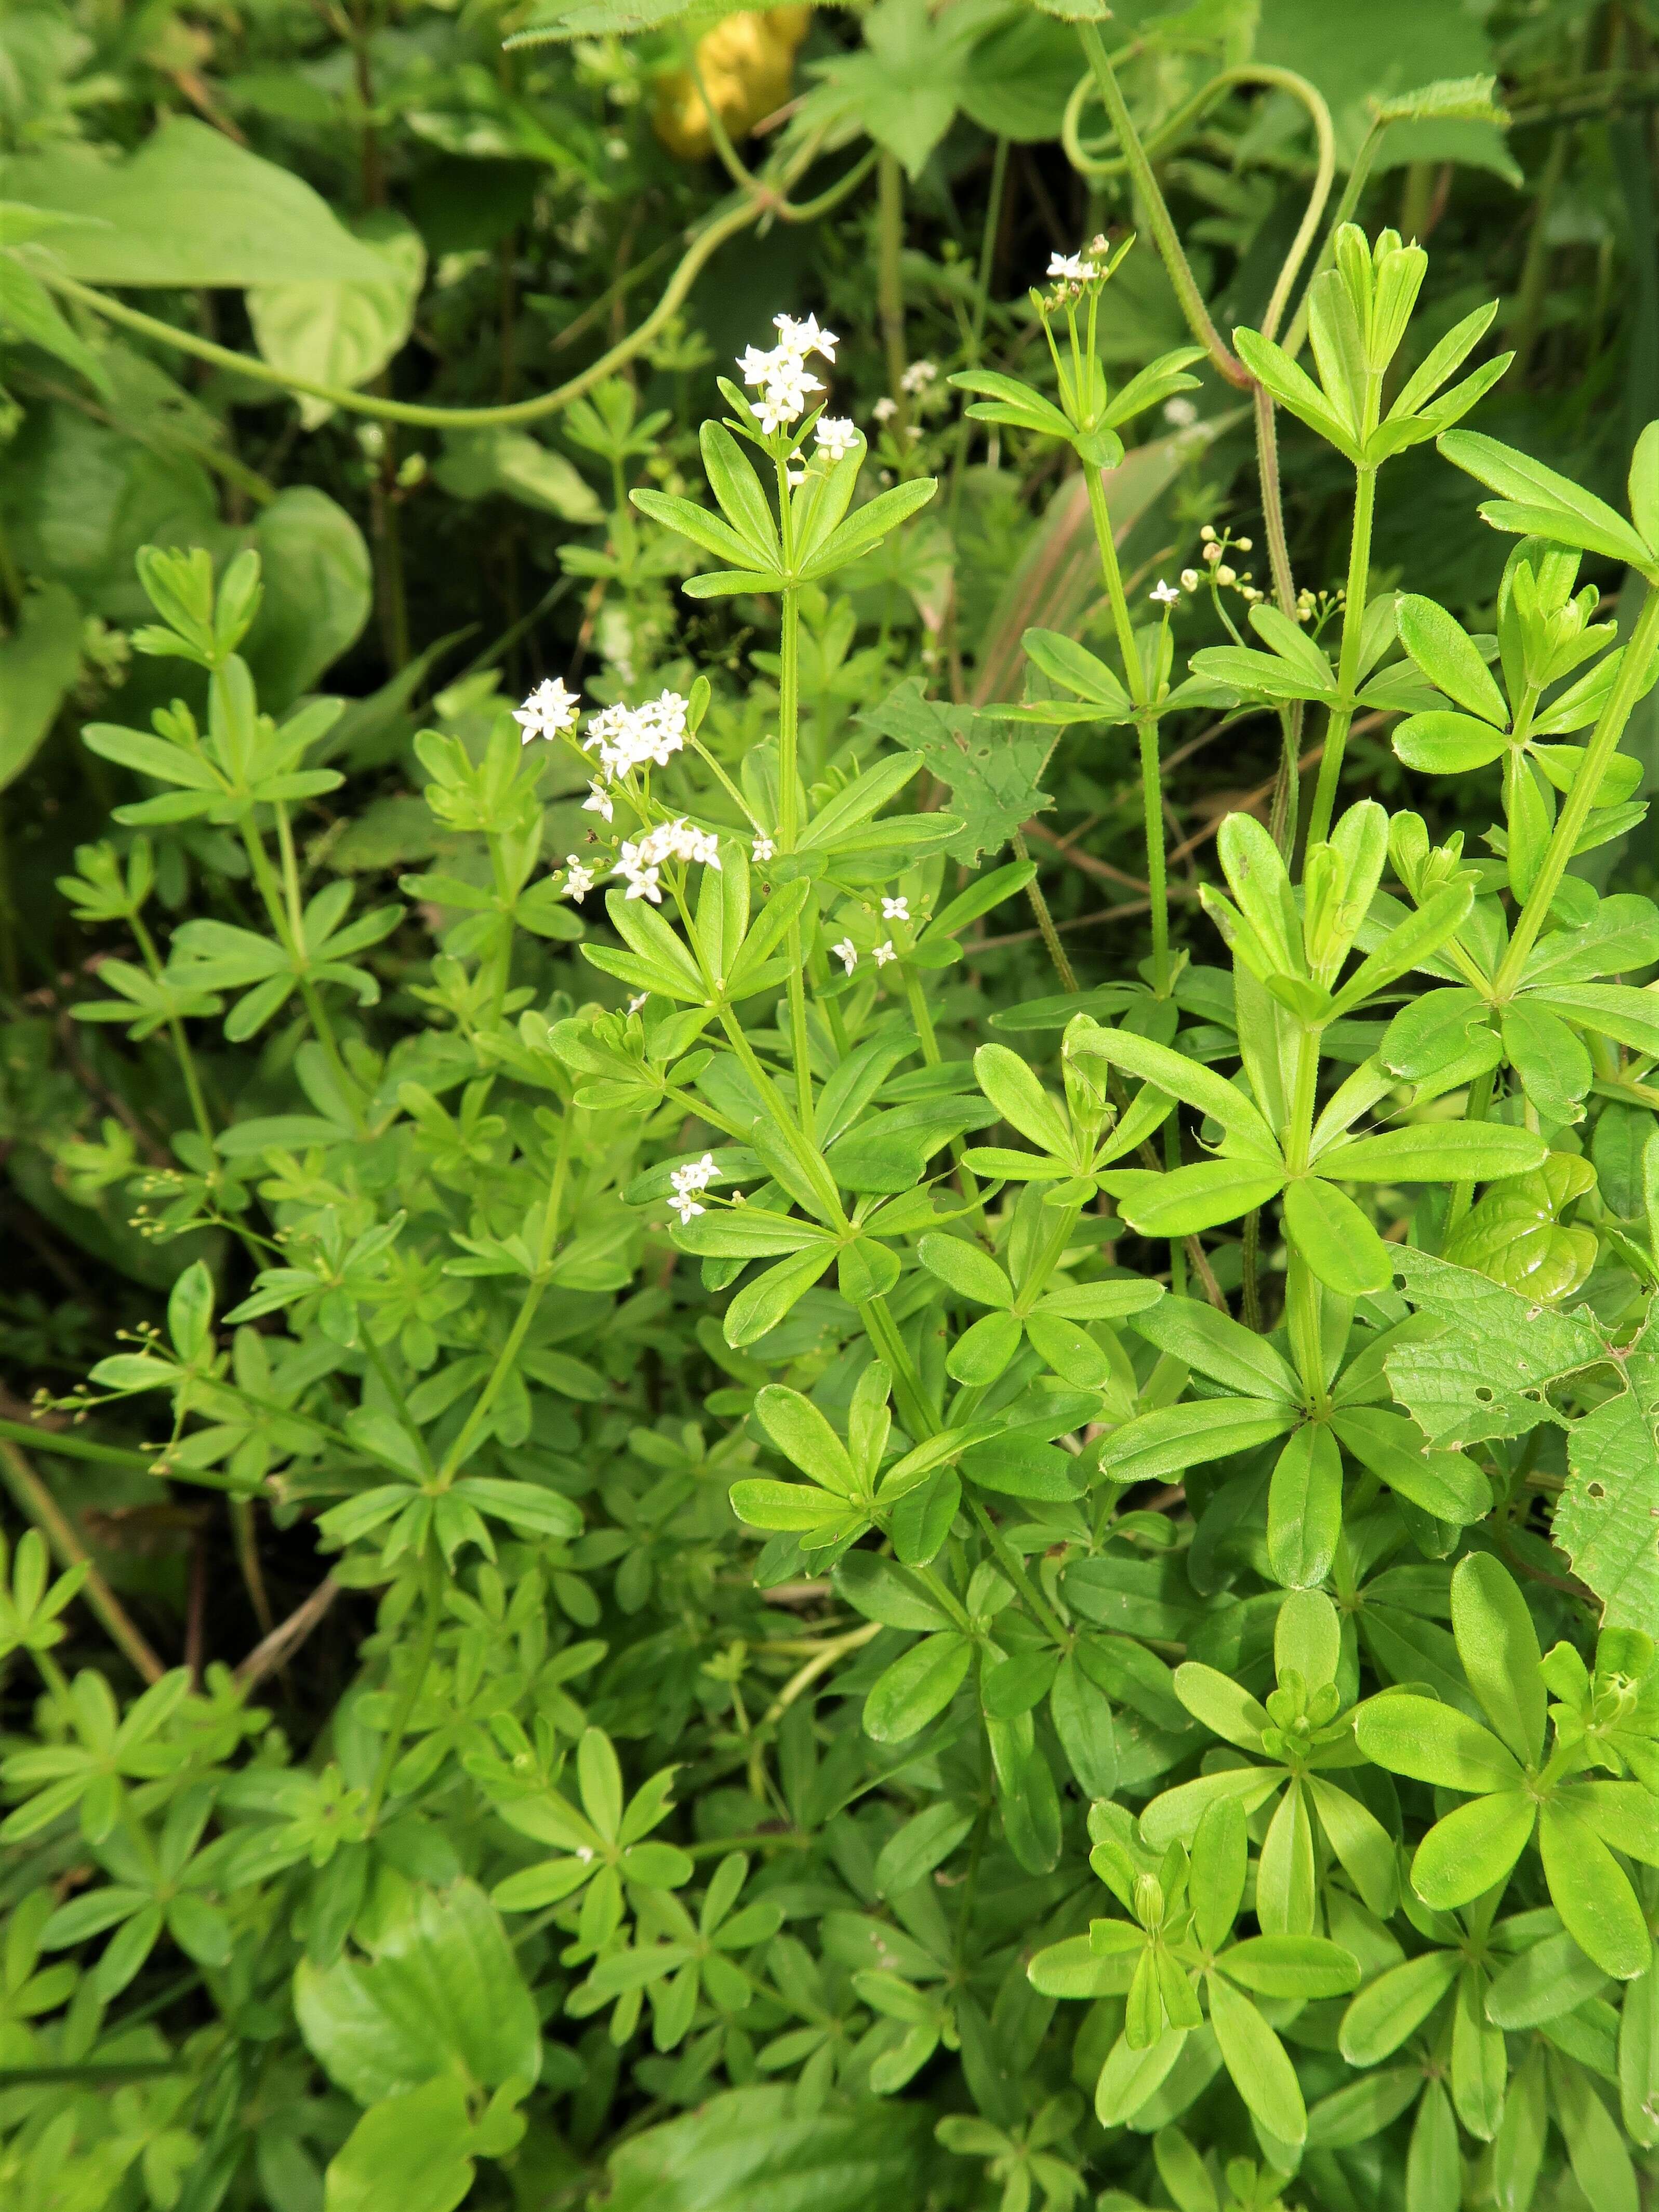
[[1535, 500]]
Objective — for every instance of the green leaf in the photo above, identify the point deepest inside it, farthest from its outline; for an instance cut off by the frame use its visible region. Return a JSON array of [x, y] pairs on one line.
[[759, 2147], [1535, 499], [1488, 1371], [867, 525], [1291, 1966], [38, 662], [28, 312], [191, 208], [1597, 1906], [1605, 1518], [1445, 1152], [1021, 1100], [1441, 743], [1391, 2006], [411, 2150], [443, 1992], [1304, 1508], [343, 333], [1499, 1648], [1178, 1077], [992, 773], [1434, 1743], [1445, 1484], [1221, 1348], [1261, 2072], [916, 1687], [512, 464], [1449, 658], [1340, 1245], [801, 1433], [1155, 1446], [1189, 1199], [1473, 1849]]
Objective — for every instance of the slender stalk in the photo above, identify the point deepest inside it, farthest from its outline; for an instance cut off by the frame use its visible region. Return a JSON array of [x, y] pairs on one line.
[[890, 288], [1603, 744], [182, 1053], [1224, 361], [36, 1501], [1476, 1109], [1045, 920], [800, 1048], [432, 1583], [1353, 624]]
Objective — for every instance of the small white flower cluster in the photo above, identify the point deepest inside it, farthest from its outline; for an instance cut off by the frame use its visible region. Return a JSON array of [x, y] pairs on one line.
[[780, 375], [578, 877], [764, 849], [637, 737], [688, 1181], [639, 864], [1070, 272], [919, 377], [549, 712]]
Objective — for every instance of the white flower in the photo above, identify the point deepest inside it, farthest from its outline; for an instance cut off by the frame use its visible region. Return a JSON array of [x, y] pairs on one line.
[[696, 1175], [920, 375], [598, 801], [805, 338], [1179, 413], [640, 874], [1165, 594], [884, 953], [837, 436], [635, 1003], [686, 1207], [884, 409], [896, 909], [550, 710], [577, 878], [1069, 268], [629, 738], [764, 848], [847, 953]]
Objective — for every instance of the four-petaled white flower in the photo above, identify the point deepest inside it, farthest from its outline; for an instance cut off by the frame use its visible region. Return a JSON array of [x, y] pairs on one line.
[[896, 909], [629, 738], [678, 840], [884, 953], [549, 712], [578, 877], [686, 1207], [696, 1175], [1165, 594], [598, 801], [836, 434], [1069, 268], [764, 848], [847, 953]]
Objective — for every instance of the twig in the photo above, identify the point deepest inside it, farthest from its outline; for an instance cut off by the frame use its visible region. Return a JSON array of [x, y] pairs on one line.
[[288, 1635], [36, 1500]]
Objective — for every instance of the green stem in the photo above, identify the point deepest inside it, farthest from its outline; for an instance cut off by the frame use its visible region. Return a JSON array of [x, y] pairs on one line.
[[800, 1049], [708, 242], [889, 289], [182, 1052], [1222, 358], [432, 1581], [37, 1502], [882, 1331], [1015, 1568], [1045, 920], [506, 1358], [1603, 744], [1353, 624], [1476, 1109], [289, 936], [1302, 1317]]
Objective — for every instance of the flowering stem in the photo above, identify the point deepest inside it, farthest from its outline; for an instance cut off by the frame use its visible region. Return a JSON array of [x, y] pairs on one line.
[[1353, 624], [788, 810], [1152, 775], [186, 1058]]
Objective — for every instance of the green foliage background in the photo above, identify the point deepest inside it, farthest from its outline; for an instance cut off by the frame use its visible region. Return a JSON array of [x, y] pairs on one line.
[[1090, 1641]]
